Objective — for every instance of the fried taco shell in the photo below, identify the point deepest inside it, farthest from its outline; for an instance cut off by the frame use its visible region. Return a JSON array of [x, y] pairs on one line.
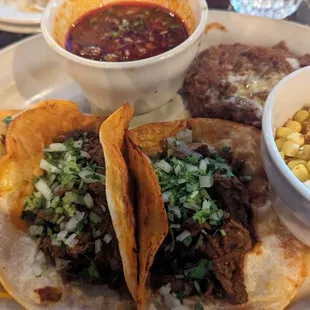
[[276, 264], [27, 136]]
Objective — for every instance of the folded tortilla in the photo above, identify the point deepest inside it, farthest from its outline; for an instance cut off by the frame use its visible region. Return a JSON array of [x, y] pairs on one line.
[[277, 265], [26, 137]]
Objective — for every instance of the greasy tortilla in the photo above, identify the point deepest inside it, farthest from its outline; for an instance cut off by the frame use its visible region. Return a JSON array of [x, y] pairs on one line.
[[277, 266], [26, 137]]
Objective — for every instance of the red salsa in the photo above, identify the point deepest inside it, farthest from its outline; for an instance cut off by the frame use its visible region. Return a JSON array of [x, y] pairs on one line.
[[126, 32]]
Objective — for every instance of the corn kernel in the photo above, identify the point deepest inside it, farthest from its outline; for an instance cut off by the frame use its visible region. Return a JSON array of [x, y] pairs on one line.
[[279, 143], [294, 162], [283, 132], [282, 155], [301, 172], [304, 152], [290, 148], [305, 127], [294, 125], [297, 138], [301, 116]]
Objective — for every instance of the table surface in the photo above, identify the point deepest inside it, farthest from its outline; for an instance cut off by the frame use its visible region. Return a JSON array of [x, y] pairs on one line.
[[302, 16]]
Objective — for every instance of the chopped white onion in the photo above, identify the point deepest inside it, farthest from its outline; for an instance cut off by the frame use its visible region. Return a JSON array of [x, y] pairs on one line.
[[197, 286], [186, 150], [44, 189], [177, 169], [182, 236], [186, 136], [86, 176], [78, 144], [203, 165], [166, 196], [80, 215], [70, 239], [56, 147], [107, 238], [165, 289], [176, 210], [62, 235], [36, 230], [98, 245], [71, 225], [164, 166], [171, 302], [191, 206], [191, 168], [45, 165], [85, 154], [205, 181], [171, 140], [206, 205], [179, 276], [88, 201], [55, 242]]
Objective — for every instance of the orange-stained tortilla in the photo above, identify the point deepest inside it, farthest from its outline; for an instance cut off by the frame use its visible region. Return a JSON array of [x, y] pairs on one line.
[[26, 138], [152, 216], [277, 266], [112, 133]]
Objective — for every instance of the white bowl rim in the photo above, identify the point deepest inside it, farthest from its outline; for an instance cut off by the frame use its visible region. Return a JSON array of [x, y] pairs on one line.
[[125, 64], [268, 135]]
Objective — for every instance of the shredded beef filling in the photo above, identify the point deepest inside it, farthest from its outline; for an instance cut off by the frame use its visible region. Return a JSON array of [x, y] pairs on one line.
[[224, 247], [86, 260]]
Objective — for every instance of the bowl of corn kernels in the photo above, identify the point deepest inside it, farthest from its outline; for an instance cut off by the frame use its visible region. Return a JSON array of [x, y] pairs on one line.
[[286, 151]]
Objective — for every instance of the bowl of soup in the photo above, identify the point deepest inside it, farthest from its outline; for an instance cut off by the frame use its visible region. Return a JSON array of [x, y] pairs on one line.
[[125, 51]]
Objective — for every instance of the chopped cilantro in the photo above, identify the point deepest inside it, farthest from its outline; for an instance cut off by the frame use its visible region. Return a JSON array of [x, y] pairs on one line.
[[92, 270], [198, 306], [181, 295], [226, 149], [200, 271], [7, 120], [188, 241]]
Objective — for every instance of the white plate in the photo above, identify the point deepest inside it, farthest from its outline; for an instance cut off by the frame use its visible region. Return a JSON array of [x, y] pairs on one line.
[[18, 28], [12, 11], [26, 82]]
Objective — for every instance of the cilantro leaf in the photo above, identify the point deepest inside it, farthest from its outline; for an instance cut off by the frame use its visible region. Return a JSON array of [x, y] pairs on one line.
[[198, 306], [92, 271], [200, 271], [7, 120]]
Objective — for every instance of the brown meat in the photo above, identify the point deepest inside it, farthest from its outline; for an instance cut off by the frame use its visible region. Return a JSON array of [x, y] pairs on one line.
[[195, 228], [227, 255], [49, 293], [234, 197], [94, 149], [211, 82]]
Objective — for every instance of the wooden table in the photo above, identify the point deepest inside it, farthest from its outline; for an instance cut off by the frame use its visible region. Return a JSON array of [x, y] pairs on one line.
[[301, 16]]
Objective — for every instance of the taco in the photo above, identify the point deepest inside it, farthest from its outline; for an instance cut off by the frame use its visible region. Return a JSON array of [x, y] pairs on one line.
[[66, 217], [208, 236]]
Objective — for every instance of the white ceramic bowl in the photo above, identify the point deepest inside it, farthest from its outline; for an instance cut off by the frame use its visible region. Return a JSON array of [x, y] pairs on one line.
[[291, 198], [146, 84]]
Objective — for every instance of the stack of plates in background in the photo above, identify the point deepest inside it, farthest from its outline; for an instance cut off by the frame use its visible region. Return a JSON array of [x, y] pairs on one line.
[[15, 18]]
